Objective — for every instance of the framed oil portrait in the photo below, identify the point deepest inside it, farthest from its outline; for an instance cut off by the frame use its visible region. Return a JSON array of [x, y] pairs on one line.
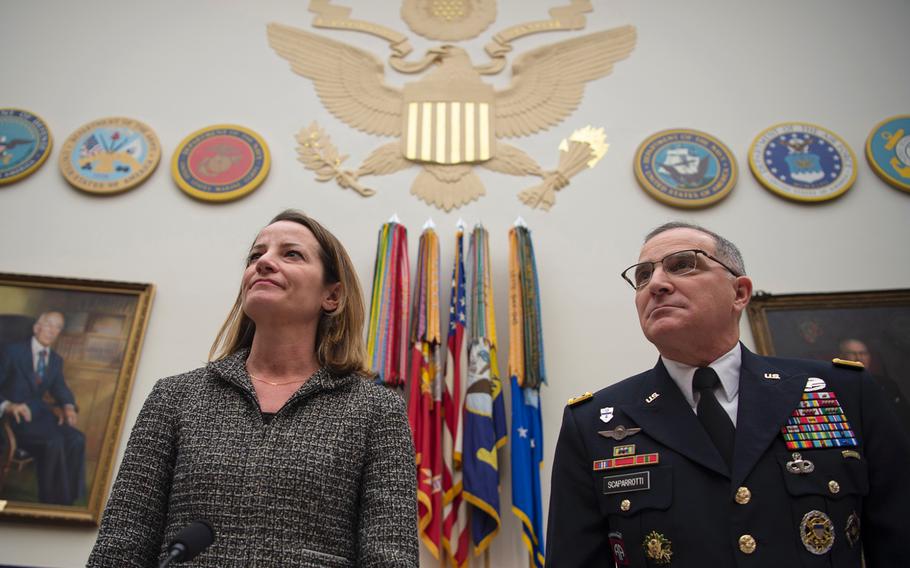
[[870, 327], [68, 355]]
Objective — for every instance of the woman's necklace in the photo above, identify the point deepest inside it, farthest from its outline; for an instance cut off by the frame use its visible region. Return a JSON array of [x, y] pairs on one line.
[[276, 384]]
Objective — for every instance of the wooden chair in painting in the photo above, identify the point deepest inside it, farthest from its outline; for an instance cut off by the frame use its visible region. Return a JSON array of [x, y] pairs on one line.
[[12, 328]]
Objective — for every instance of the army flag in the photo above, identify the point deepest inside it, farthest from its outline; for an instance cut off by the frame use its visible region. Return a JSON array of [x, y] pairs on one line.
[[387, 333], [526, 371], [455, 536], [484, 410], [425, 393]]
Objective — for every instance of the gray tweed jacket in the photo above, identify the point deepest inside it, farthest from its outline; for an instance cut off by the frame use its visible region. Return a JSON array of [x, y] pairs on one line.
[[329, 482]]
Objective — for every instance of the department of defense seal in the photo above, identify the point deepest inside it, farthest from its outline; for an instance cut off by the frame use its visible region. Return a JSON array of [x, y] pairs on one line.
[[220, 163], [110, 155], [802, 162], [685, 168], [25, 143], [888, 151]]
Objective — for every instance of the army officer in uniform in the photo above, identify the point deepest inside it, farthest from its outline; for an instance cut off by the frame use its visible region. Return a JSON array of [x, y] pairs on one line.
[[720, 457]]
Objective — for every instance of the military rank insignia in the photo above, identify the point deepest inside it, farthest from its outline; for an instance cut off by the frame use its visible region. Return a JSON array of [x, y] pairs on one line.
[[685, 168], [25, 143], [818, 422], [888, 151], [220, 163], [802, 162]]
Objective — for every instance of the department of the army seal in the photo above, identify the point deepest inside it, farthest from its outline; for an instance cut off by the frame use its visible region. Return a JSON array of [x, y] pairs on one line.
[[685, 168], [25, 143], [802, 162], [220, 163], [110, 155], [888, 151]]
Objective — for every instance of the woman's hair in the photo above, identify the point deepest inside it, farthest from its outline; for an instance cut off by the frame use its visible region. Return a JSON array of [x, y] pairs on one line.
[[339, 334]]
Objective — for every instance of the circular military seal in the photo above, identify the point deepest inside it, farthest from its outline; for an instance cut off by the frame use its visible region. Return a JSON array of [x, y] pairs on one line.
[[802, 162], [221, 162], [888, 151], [110, 155], [25, 143], [685, 168]]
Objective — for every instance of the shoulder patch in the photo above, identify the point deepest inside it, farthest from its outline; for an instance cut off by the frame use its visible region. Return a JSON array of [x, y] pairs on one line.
[[580, 398], [847, 364]]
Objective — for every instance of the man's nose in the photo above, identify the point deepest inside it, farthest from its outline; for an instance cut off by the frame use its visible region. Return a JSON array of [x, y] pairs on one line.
[[660, 281]]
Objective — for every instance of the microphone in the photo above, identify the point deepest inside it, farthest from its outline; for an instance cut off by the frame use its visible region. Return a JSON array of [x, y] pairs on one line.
[[189, 542]]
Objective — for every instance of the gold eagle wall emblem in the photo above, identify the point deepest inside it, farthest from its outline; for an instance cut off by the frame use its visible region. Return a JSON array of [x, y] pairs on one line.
[[450, 120]]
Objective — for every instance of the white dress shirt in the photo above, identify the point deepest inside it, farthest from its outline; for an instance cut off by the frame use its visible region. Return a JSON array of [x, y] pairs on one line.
[[727, 391]]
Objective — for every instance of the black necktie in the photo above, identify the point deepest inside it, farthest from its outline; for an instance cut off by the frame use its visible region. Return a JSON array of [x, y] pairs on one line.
[[711, 414]]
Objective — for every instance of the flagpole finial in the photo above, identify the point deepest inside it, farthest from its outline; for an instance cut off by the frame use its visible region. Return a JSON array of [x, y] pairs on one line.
[[460, 224], [520, 222], [429, 224], [394, 218]]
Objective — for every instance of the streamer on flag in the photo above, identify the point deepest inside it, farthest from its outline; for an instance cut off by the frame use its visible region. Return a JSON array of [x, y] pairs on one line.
[[526, 371], [387, 334], [425, 400], [484, 411], [455, 536]]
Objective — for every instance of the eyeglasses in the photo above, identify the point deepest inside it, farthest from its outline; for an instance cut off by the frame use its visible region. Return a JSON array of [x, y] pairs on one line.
[[677, 263]]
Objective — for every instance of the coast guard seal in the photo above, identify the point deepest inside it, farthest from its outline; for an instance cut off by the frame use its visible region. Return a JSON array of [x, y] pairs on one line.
[[25, 143], [220, 163], [685, 168], [888, 151], [802, 162]]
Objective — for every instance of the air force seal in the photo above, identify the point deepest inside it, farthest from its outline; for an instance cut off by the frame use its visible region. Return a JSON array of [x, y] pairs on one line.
[[802, 162], [25, 143], [685, 168], [888, 151]]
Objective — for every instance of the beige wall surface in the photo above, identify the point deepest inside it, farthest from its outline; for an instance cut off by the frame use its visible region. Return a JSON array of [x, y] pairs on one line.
[[727, 68]]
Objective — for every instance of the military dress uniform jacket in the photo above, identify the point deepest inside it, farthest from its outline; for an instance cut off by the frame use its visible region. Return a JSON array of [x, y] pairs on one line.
[[697, 512]]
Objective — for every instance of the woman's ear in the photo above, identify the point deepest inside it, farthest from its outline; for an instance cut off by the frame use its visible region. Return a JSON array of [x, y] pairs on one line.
[[333, 298]]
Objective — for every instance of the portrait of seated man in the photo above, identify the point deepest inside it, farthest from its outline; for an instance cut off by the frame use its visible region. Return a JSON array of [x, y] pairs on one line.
[[31, 374], [854, 349]]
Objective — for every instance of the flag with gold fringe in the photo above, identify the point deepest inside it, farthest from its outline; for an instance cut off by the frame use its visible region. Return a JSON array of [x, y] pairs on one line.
[[527, 373], [455, 536], [425, 393], [387, 333], [484, 410]]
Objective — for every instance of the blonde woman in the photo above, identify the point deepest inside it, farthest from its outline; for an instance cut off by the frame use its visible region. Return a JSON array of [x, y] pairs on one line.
[[280, 443]]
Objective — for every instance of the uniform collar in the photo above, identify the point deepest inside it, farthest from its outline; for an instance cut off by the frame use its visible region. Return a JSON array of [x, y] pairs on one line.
[[727, 367]]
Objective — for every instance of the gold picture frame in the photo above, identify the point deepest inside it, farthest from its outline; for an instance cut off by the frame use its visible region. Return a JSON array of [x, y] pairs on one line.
[[95, 356]]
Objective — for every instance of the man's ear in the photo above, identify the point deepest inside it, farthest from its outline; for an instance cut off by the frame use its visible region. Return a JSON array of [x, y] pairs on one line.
[[331, 301], [743, 289]]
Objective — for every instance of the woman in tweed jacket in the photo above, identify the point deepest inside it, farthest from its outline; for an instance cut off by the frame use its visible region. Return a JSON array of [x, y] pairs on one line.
[[280, 443]]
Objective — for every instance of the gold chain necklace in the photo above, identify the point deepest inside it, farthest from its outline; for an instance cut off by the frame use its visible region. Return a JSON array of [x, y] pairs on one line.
[[274, 384]]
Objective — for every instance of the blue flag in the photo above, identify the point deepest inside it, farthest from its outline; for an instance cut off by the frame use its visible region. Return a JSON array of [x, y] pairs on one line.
[[527, 460]]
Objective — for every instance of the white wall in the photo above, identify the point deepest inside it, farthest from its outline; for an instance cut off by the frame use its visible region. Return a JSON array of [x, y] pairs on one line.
[[725, 67]]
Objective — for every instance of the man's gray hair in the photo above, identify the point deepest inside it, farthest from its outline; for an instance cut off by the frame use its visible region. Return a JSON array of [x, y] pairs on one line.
[[725, 250]]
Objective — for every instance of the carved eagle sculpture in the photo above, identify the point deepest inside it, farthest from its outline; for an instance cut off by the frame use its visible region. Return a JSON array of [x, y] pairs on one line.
[[450, 120]]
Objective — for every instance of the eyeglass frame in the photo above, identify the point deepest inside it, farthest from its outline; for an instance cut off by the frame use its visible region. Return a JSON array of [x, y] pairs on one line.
[[654, 264]]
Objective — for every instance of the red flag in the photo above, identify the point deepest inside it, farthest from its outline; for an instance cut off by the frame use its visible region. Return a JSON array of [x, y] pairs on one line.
[[425, 400]]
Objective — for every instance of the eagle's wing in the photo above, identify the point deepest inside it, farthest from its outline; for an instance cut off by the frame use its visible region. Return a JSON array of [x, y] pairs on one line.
[[548, 82], [348, 80]]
